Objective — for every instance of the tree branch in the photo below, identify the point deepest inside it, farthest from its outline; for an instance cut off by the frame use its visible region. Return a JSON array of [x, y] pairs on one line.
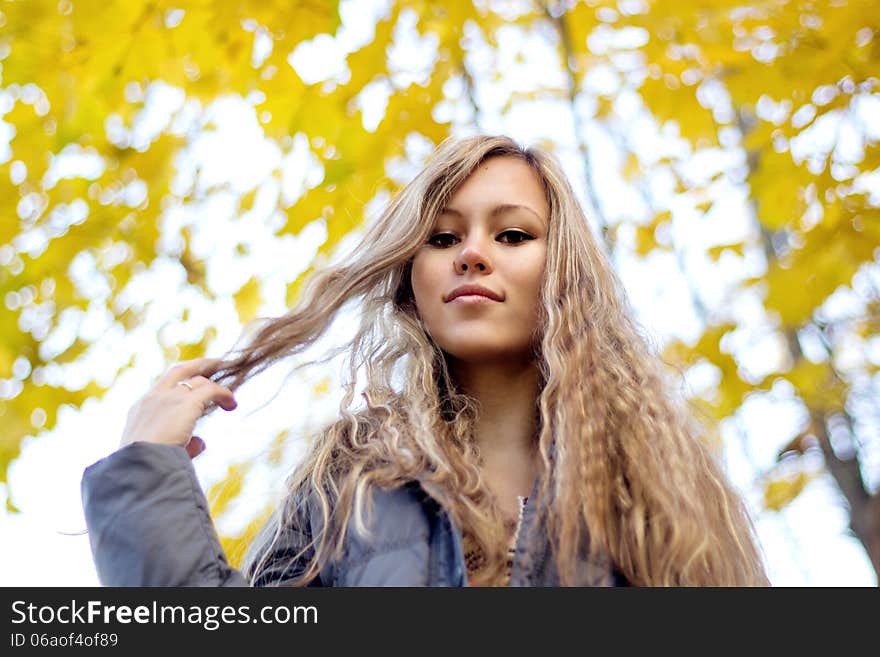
[[579, 128]]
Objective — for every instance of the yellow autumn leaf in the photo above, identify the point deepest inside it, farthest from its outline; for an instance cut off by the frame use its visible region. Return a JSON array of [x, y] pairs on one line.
[[368, 61], [322, 387], [295, 289], [704, 207], [77, 348], [235, 547], [248, 300], [829, 258], [632, 168], [646, 235], [777, 186], [734, 247], [816, 384], [221, 494], [645, 240], [197, 349], [670, 101], [782, 491], [871, 159], [709, 344], [246, 202], [276, 448]]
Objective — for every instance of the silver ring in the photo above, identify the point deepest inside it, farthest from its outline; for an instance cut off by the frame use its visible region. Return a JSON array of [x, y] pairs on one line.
[[185, 384]]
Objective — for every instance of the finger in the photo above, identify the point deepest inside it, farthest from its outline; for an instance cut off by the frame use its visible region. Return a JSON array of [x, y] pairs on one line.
[[195, 446], [187, 369], [197, 382], [213, 393]]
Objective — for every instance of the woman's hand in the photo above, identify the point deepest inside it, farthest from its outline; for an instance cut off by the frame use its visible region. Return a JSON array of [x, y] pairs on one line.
[[169, 411]]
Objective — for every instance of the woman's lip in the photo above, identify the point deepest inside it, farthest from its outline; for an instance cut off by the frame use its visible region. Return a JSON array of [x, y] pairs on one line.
[[473, 298]]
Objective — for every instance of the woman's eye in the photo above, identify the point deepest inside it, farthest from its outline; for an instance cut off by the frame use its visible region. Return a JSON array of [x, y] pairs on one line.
[[508, 237], [442, 237], [517, 236]]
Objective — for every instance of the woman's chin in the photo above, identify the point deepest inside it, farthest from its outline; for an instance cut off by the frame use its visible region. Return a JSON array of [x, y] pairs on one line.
[[486, 354]]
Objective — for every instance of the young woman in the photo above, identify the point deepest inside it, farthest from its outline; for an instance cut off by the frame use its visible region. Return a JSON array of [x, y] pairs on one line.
[[517, 430]]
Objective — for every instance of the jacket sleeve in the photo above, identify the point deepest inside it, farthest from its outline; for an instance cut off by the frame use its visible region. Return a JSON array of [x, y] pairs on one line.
[[149, 525]]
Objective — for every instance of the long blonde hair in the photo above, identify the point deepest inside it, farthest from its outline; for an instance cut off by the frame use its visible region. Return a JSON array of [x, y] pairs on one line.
[[624, 472]]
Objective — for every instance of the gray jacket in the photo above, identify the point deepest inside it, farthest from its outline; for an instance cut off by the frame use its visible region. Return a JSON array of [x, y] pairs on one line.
[[149, 525]]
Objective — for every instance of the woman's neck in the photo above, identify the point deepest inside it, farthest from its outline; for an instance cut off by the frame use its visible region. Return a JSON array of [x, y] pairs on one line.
[[506, 430]]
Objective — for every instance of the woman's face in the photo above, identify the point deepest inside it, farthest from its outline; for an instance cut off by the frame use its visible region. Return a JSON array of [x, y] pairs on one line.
[[493, 234]]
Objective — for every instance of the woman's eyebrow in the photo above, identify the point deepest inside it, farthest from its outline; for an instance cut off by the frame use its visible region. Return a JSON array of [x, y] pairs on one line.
[[497, 210]]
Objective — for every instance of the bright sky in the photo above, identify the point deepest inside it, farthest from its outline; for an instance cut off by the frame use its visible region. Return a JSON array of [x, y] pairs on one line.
[[806, 544]]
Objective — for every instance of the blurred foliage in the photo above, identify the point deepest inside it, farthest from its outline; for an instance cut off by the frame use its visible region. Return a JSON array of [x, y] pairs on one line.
[[762, 82], [782, 73]]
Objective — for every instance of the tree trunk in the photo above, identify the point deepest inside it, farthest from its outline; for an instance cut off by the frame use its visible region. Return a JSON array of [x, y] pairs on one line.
[[864, 509]]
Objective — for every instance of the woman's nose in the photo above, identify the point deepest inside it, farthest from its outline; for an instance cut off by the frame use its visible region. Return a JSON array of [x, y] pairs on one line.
[[472, 257]]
